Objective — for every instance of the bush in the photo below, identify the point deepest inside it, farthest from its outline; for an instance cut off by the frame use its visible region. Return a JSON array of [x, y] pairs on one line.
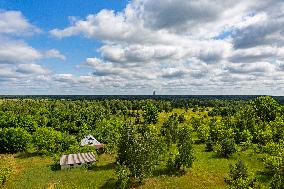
[[123, 180], [185, 156], [47, 141], [203, 133], [238, 177], [169, 130], [14, 140], [209, 145], [138, 152], [226, 148], [150, 113], [277, 182], [274, 164], [5, 173]]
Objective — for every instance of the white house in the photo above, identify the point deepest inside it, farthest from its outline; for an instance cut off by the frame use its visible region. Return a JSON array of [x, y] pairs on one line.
[[91, 141]]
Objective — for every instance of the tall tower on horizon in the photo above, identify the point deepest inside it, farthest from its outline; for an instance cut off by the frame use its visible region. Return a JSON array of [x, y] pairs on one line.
[[154, 93]]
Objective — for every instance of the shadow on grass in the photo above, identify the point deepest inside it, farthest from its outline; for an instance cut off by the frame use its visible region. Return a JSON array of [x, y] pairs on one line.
[[103, 167], [110, 183], [94, 167], [263, 176], [167, 172], [23, 155], [55, 167]]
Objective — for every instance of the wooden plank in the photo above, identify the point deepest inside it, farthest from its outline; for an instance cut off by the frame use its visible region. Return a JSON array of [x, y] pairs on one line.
[[85, 157], [70, 159], [63, 160], [80, 158], [92, 156], [89, 157], [76, 159]]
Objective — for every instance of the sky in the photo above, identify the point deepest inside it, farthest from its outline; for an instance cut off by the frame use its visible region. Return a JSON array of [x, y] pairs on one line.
[[132, 47]]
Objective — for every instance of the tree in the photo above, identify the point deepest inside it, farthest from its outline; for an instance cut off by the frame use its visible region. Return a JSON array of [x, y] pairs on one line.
[[138, 152], [238, 177], [47, 140], [266, 108], [14, 140], [226, 148], [185, 155], [169, 129], [150, 113]]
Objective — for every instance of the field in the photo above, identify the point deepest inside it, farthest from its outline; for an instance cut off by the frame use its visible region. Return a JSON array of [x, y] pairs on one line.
[[36, 166], [207, 172]]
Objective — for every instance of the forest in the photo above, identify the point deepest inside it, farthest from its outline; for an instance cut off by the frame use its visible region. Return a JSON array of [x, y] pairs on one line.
[[149, 143]]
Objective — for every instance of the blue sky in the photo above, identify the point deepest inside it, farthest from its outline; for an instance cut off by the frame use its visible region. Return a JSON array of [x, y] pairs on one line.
[[51, 14], [135, 47]]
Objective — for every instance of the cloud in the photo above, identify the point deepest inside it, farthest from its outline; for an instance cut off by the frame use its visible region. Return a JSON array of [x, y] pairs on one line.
[[179, 15], [173, 46], [171, 41], [53, 53], [31, 69], [170, 73], [15, 52], [13, 22]]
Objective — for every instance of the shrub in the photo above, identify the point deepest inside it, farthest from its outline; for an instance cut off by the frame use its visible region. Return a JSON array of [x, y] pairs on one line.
[[274, 164], [47, 141], [169, 129], [123, 180], [226, 148], [181, 118], [150, 113], [277, 182], [185, 155], [14, 140], [238, 177], [5, 173], [138, 152], [203, 133], [107, 132], [209, 145], [266, 108]]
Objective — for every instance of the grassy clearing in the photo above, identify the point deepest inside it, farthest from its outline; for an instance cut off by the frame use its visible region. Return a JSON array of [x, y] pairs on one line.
[[208, 171]]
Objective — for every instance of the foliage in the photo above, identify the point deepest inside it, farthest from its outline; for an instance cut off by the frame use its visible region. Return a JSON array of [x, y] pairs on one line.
[[123, 180], [185, 155], [139, 152], [5, 174], [277, 182], [203, 132], [107, 132], [58, 125], [169, 129], [48, 141], [266, 108], [14, 140], [226, 148], [209, 145], [150, 113], [238, 177]]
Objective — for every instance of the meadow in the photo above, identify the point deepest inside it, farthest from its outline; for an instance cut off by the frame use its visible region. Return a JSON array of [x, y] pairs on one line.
[[254, 128]]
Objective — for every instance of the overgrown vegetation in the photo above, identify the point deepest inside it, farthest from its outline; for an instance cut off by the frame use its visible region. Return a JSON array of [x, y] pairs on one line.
[[150, 138]]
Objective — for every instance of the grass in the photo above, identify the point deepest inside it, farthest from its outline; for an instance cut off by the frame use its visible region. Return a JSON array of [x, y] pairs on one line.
[[32, 171], [36, 172], [207, 172]]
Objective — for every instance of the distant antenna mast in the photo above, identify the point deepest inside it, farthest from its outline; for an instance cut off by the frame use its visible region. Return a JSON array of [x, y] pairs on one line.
[[154, 93]]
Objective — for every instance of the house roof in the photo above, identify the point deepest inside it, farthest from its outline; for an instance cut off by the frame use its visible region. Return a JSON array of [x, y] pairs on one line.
[[90, 140]]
